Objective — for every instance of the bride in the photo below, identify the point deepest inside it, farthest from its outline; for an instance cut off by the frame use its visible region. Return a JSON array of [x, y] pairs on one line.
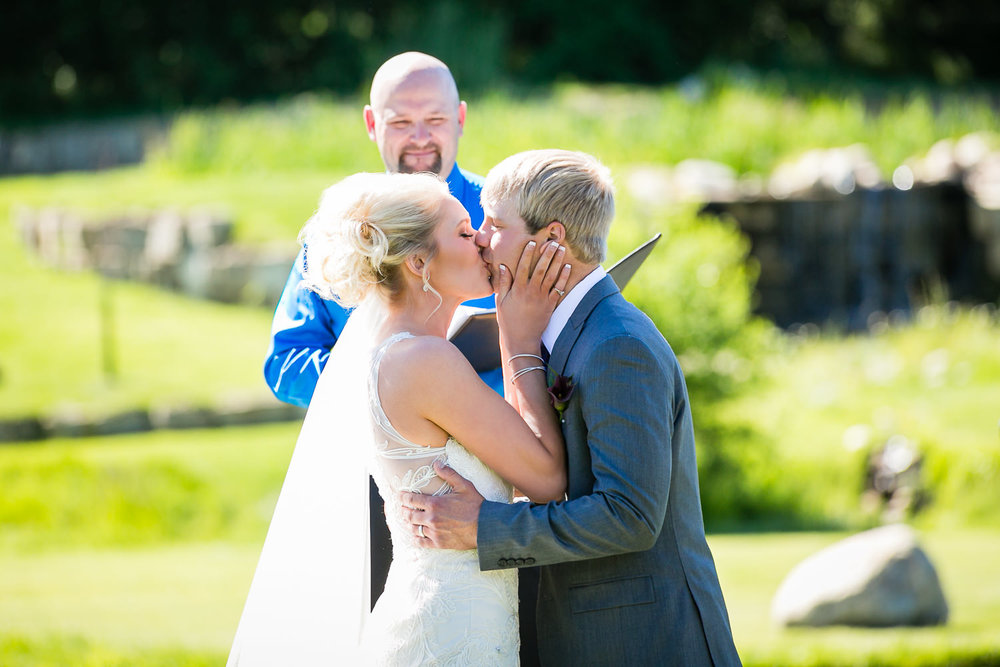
[[394, 398]]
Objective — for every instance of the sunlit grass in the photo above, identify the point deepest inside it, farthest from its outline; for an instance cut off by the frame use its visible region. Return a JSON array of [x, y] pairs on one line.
[[183, 596], [747, 124], [139, 549], [164, 348], [968, 563], [214, 484], [58, 651], [187, 599], [128, 546]]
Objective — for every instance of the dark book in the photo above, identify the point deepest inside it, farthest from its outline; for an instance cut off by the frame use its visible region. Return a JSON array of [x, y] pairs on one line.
[[474, 330]]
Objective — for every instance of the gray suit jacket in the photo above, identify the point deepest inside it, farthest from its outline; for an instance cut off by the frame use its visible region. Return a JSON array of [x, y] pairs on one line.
[[627, 576]]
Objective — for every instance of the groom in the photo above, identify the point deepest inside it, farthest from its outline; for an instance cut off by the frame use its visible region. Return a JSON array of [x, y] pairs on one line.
[[627, 576]]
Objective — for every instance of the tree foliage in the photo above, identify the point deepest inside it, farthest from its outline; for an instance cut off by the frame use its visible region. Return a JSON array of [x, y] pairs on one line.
[[71, 57]]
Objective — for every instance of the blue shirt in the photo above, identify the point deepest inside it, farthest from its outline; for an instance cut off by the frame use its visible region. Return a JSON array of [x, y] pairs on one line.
[[306, 326]]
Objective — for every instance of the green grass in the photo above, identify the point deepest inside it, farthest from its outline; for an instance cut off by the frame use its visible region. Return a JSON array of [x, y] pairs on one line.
[[139, 549], [266, 207], [185, 601], [750, 125], [167, 348], [162, 597], [59, 651], [133, 490], [968, 562]]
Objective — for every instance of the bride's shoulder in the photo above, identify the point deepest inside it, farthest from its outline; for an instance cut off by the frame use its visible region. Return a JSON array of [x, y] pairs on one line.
[[424, 353]]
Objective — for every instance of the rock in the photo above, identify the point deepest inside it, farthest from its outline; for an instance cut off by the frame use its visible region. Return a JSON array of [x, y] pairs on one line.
[[650, 185], [268, 273], [240, 412], [18, 430], [130, 421], [164, 247], [704, 180], [690, 180], [877, 578], [939, 165], [983, 181], [822, 173], [68, 421], [181, 417]]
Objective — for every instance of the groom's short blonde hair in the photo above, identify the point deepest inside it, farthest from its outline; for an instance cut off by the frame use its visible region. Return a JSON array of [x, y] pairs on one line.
[[556, 185]]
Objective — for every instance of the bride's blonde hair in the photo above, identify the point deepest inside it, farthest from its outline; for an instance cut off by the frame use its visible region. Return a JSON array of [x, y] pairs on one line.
[[364, 229]]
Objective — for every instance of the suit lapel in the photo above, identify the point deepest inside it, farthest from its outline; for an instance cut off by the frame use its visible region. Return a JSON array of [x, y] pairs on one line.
[[571, 332]]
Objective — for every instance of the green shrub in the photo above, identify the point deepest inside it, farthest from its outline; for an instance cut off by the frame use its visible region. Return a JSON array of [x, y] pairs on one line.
[[697, 286], [826, 403], [748, 123]]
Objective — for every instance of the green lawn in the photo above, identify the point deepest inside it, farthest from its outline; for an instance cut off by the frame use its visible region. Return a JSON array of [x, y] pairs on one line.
[[752, 566], [187, 599], [139, 549], [166, 348], [185, 596], [129, 491]]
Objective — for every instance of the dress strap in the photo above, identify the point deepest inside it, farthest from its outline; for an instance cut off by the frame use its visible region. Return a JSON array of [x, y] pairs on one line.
[[378, 413]]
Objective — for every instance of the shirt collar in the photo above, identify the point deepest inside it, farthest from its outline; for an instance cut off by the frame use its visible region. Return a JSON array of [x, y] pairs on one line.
[[456, 183], [566, 307]]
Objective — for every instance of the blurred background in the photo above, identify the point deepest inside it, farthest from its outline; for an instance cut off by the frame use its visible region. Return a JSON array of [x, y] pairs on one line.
[[825, 173]]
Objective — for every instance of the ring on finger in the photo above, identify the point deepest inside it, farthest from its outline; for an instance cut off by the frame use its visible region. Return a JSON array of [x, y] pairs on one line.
[[420, 532], [559, 291]]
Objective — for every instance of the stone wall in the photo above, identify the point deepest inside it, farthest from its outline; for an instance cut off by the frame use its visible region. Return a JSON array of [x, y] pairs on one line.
[[836, 241], [189, 252], [876, 250], [68, 423], [839, 243], [78, 145]]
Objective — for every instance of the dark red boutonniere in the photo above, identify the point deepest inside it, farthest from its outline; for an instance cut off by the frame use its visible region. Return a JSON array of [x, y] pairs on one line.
[[561, 387]]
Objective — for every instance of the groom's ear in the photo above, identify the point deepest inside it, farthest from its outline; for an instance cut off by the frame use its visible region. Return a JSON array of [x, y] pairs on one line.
[[555, 231]]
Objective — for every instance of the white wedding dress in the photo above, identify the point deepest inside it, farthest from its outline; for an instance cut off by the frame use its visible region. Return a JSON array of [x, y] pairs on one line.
[[309, 602], [438, 607]]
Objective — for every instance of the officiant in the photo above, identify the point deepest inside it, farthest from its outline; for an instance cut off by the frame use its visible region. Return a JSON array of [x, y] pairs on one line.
[[415, 118]]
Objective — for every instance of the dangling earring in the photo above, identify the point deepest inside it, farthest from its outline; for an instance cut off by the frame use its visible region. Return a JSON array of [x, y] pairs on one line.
[[427, 286]]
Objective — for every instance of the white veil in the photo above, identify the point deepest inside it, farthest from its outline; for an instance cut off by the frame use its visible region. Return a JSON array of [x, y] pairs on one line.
[[310, 594]]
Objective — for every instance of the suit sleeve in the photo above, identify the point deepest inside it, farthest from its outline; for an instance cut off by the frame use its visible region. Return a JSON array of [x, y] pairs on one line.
[[304, 330], [629, 399]]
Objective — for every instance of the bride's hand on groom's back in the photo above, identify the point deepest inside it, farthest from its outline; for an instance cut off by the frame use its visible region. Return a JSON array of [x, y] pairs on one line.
[[527, 297]]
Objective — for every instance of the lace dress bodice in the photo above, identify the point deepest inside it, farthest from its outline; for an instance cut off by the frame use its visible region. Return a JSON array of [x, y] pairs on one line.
[[438, 607]]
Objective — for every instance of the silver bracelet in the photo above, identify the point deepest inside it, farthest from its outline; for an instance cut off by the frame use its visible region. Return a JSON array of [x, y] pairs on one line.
[[520, 356], [525, 370]]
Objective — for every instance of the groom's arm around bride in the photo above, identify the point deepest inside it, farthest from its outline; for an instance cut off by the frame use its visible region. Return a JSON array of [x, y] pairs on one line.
[[627, 574]]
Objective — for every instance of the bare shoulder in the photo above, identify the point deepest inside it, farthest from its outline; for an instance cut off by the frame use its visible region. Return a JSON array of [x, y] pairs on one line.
[[424, 361]]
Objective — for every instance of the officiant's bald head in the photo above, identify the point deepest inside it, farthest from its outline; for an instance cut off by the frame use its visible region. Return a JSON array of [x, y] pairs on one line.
[[414, 115]]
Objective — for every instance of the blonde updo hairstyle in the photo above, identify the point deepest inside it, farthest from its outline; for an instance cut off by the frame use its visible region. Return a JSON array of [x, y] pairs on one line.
[[365, 228]]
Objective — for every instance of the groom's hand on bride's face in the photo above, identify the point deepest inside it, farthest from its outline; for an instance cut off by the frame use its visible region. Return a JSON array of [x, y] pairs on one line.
[[444, 522]]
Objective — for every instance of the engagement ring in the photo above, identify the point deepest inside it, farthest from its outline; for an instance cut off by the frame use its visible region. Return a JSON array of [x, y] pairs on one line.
[[559, 291]]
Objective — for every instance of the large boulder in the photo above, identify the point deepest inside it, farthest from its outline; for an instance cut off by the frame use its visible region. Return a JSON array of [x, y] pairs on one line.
[[877, 578]]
